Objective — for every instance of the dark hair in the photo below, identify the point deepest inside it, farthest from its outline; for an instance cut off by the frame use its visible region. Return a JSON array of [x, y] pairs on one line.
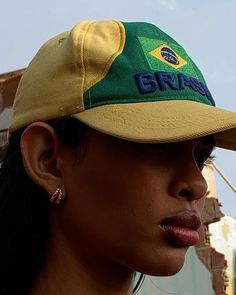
[[24, 213]]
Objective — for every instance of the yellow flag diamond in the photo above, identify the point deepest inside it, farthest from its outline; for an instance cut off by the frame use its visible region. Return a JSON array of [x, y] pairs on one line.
[[167, 55]]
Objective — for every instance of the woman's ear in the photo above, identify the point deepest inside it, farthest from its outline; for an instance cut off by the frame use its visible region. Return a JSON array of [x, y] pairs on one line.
[[40, 148]]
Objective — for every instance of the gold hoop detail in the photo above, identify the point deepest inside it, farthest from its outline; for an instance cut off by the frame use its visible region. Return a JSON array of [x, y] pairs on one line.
[[57, 196]]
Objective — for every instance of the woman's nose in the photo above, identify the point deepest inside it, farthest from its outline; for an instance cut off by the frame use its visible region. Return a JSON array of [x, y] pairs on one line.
[[188, 183]]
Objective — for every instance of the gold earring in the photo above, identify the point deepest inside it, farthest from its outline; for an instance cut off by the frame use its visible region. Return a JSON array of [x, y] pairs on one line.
[[57, 196]]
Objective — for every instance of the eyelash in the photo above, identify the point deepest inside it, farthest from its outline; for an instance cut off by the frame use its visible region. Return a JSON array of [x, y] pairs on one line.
[[207, 160]]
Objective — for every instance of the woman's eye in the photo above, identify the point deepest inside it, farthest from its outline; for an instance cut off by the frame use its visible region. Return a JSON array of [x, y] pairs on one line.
[[203, 160]]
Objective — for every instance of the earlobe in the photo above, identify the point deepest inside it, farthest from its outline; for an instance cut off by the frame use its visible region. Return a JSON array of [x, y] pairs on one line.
[[39, 148]]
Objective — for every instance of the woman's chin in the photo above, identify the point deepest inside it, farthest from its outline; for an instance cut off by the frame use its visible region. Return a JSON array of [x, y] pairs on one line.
[[163, 265], [165, 270]]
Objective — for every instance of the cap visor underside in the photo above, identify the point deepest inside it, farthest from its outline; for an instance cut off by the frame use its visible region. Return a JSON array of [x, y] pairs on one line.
[[163, 121]]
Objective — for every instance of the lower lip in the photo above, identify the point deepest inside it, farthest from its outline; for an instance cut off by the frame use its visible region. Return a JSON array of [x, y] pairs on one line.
[[181, 236]]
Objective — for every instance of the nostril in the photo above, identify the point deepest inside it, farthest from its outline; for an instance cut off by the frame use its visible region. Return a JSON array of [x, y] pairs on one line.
[[189, 189], [185, 193]]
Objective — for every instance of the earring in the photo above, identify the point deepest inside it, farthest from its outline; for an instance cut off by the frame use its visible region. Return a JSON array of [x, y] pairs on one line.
[[57, 196]]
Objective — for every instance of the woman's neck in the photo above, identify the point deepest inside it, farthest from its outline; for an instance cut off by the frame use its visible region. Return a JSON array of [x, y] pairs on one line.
[[65, 271]]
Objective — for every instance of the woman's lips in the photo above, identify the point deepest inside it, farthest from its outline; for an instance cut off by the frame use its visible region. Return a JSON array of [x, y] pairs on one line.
[[181, 229]]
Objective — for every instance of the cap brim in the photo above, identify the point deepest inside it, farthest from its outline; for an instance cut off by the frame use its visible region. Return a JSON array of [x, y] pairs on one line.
[[162, 122]]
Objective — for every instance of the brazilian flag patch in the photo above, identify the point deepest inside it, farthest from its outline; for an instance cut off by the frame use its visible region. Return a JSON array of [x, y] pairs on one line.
[[166, 54], [161, 55]]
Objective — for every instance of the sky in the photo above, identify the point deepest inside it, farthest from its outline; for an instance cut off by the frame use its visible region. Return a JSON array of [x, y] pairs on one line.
[[206, 29]]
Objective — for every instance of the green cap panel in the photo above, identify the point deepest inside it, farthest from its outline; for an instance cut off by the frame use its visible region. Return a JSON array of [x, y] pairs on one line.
[[152, 67]]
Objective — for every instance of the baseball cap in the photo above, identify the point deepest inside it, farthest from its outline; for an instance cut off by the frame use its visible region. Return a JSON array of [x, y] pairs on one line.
[[127, 79]]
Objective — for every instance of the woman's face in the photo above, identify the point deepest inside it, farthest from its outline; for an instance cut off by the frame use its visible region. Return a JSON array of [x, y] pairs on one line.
[[133, 204]]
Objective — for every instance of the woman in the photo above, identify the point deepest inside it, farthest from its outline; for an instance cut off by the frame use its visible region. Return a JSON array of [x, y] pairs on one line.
[[112, 125]]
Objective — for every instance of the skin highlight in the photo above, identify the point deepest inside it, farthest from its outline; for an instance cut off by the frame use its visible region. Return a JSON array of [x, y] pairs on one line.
[[117, 194]]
